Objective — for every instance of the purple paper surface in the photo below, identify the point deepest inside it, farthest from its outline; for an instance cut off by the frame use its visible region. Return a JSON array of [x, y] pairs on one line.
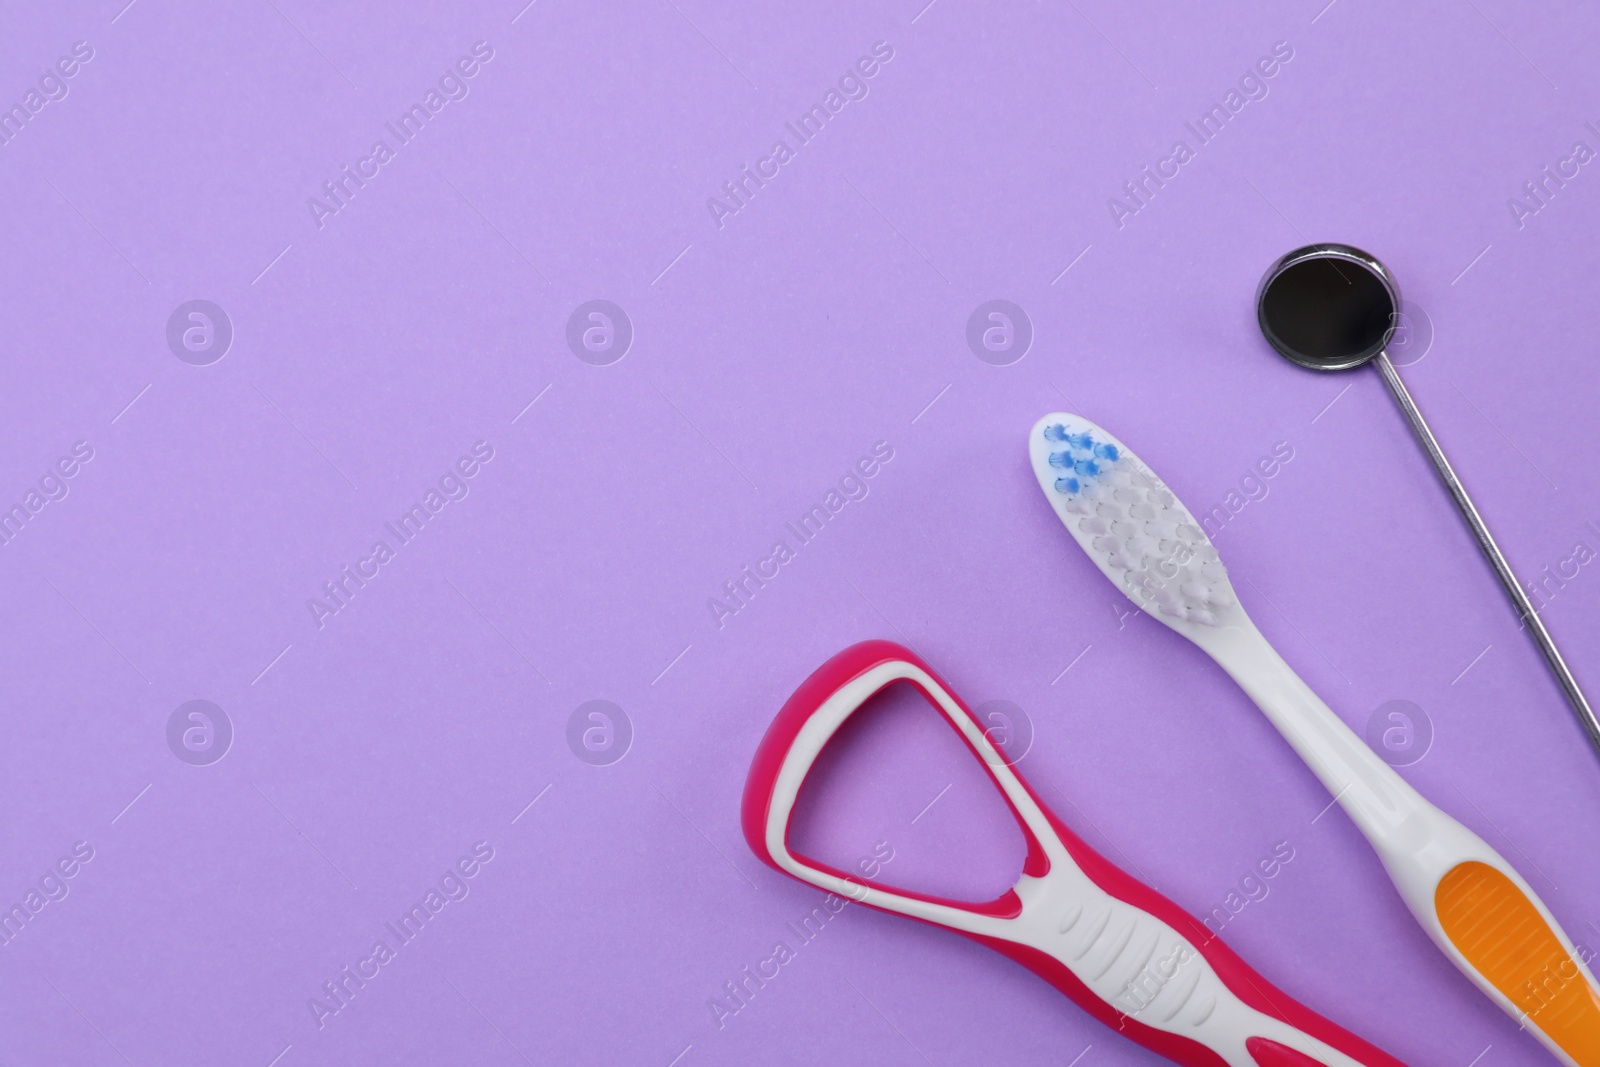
[[379, 326]]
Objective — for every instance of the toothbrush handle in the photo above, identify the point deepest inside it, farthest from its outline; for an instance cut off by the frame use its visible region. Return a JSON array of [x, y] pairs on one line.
[[1502, 935], [1491, 924], [1480, 912], [1380, 802]]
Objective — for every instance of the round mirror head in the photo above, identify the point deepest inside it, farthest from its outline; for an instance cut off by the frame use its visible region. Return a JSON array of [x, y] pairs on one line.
[[1327, 307]]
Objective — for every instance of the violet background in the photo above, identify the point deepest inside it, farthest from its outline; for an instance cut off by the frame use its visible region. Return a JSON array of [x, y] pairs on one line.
[[768, 357]]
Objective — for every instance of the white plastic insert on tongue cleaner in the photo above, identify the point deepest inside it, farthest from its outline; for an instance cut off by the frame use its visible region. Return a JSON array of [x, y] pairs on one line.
[[1136, 531]]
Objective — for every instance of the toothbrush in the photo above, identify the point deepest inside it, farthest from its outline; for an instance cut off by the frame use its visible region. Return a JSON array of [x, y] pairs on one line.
[[1479, 911], [1121, 951]]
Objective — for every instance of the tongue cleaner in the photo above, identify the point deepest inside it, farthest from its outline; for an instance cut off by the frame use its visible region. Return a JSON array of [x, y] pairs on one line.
[[1121, 951], [1479, 911]]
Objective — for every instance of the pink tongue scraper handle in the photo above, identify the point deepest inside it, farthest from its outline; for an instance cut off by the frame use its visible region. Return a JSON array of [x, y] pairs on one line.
[[1121, 951]]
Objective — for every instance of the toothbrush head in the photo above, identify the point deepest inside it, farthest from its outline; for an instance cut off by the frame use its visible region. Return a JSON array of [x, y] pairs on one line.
[[1137, 532]]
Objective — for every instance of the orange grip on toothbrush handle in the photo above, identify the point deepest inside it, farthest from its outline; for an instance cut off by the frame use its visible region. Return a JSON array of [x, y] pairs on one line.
[[1505, 937]]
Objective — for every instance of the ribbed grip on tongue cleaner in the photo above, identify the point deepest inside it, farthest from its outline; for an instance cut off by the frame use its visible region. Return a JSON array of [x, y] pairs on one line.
[[1133, 527]]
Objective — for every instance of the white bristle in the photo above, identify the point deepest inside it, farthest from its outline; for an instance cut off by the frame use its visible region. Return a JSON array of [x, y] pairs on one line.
[[1131, 525]]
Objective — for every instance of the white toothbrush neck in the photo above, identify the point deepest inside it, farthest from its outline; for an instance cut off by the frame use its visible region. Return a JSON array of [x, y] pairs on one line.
[[1376, 798]]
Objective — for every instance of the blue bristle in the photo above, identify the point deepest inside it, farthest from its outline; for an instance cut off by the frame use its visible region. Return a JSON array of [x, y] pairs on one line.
[[1085, 458]]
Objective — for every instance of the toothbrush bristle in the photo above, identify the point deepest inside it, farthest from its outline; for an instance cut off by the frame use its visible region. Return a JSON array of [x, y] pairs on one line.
[[1123, 515]]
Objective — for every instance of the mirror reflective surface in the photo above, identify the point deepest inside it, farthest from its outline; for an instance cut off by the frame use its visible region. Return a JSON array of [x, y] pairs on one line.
[[1327, 307]]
